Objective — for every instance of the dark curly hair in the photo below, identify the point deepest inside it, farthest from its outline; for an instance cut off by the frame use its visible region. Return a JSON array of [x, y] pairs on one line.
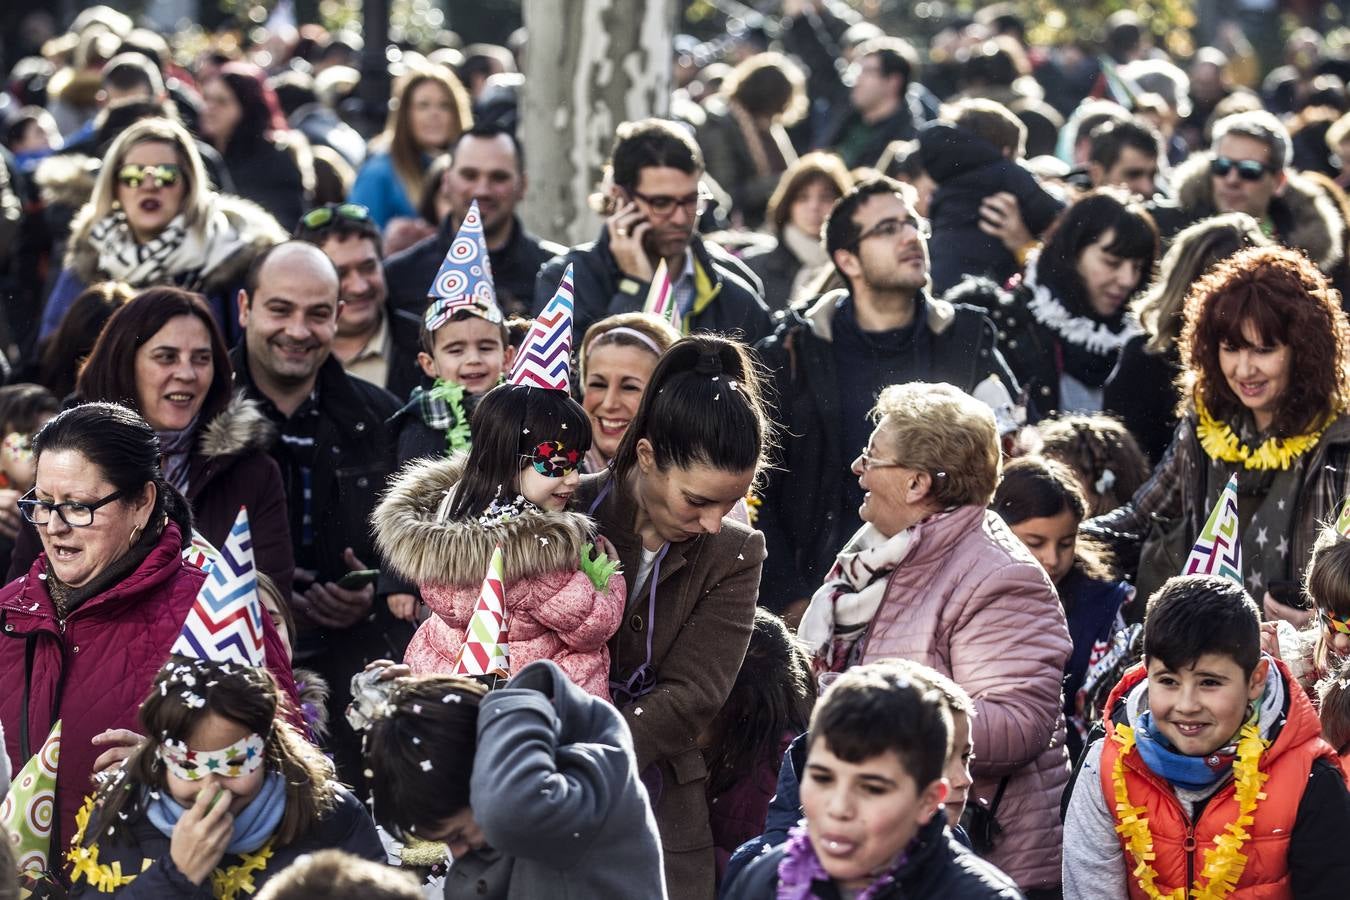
[[1283, 295]]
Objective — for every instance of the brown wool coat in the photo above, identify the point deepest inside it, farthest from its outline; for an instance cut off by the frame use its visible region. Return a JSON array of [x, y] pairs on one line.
[[705, 609]]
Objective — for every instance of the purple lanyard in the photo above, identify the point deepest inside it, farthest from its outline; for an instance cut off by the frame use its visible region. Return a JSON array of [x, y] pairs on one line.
[[643, 679]]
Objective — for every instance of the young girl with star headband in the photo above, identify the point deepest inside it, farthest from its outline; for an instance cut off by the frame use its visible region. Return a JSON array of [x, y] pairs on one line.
[[220, 797], [442, 519]]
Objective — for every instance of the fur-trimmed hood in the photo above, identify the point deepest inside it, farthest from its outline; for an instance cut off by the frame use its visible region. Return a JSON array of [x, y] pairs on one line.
[[240, 427], [1306, 216], [255, 228], [457, 552]]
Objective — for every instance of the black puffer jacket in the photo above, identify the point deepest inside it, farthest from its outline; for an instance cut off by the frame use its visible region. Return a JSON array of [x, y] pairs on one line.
[[733, 306], [938, 868]]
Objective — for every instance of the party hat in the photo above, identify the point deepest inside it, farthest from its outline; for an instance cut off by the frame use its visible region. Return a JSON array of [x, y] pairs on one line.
[[486, 651], [1343, 519], [464, 281], [1218, 550], [200, 552], [29, 808], [225, 623], [661, 298], [546, 355]]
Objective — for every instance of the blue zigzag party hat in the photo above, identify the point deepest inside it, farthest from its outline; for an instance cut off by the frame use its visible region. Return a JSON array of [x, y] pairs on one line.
[[225, 623], [545, 358]]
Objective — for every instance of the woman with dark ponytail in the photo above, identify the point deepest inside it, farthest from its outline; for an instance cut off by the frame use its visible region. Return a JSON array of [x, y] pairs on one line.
[[691, 453], [84, 633]]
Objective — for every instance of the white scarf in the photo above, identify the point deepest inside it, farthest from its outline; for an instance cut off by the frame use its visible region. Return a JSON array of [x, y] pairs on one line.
[[1081, 331], [812, 256], [843, 607], [178, 254]]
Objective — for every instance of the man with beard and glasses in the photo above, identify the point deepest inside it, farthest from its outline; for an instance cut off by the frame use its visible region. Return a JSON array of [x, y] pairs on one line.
[[335, 455], [488, 167], [653, 203], [831, 360], [374, 341]]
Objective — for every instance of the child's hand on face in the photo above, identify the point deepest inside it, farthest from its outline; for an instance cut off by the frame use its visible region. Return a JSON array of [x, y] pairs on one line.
[[201, 835]]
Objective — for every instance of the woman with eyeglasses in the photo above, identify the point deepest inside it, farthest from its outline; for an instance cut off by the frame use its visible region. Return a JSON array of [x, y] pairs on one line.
[[1265, 389], [935, 577], [162, 355], [686, 460], [84, 632], [153, 220], [1063, 321], [269, 163]]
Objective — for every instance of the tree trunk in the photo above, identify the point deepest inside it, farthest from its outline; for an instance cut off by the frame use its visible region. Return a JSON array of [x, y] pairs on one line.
[[590, 65]]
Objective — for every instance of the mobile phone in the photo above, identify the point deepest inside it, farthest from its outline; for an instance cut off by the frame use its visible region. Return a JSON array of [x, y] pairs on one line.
[[1287, 592], [354, 581]]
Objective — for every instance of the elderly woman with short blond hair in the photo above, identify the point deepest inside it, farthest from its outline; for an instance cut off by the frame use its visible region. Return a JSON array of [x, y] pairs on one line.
[[935, 577]]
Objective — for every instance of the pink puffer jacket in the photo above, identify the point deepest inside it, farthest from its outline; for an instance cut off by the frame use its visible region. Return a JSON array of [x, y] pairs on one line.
[[971, 602], [553, 610], [559, 616]]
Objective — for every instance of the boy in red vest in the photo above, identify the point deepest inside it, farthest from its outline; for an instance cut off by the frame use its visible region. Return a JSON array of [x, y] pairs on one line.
[[1212, 778]]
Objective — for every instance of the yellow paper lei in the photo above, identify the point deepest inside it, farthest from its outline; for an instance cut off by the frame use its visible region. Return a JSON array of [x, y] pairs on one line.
[[1225, 862], [1219, 441], [107, 878]]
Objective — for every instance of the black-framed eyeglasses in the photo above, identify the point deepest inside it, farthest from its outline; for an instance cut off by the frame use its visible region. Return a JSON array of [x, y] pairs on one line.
[[323, 216], [663, 205], [163, 175], [72, 512], [893, 228], [1247, 169]]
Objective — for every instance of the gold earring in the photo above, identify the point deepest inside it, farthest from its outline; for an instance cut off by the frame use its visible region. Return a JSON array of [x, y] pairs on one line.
[[135, 535]]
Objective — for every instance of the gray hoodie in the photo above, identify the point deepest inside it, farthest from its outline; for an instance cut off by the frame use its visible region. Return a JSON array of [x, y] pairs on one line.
[[555, 790]]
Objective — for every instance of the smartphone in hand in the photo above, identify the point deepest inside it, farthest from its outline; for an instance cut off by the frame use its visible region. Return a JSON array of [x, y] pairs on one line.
[[354, 581]]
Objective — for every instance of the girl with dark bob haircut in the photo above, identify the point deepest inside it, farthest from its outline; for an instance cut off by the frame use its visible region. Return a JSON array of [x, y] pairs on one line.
[[443, 520], [1265, 349], [1063, 322]]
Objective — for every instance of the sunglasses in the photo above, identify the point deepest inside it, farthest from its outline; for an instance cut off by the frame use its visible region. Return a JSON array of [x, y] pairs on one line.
[[163, 175], [325, 215], [553, 460], [1332, 623], [1247, 169]]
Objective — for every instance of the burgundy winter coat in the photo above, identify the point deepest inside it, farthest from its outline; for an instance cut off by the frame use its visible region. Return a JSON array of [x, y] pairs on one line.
[[971, 602], [93, 670]]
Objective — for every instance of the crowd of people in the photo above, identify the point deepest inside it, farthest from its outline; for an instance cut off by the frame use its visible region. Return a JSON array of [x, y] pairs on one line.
[[931, 481]]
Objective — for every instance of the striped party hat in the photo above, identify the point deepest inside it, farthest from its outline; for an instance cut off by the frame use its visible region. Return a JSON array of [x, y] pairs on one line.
[[1218, 549], [545, 358], [486, 650], [225, 623], [464, 282], [661, 298]]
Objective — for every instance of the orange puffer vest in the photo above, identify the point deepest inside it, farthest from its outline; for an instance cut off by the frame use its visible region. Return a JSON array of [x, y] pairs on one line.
[[1180, 845]]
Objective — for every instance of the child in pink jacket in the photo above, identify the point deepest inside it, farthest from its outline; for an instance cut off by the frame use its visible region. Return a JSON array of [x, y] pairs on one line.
[[442, 518]]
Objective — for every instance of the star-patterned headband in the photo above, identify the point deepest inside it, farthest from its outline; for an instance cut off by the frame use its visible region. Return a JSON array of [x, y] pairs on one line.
[[244, 757]]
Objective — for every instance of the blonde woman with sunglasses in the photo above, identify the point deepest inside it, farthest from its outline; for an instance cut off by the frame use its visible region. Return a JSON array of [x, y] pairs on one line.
[[152, 220]]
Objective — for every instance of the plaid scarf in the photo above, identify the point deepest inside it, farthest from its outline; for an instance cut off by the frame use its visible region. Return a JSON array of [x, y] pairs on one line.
[[442, 407]]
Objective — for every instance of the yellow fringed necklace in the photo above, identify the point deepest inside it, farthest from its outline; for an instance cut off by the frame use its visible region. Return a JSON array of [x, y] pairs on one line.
[[1225, 861], [1219, 441], [226, 884]]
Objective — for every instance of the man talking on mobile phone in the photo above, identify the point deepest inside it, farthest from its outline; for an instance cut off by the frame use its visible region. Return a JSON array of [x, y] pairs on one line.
[[652, 199]]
